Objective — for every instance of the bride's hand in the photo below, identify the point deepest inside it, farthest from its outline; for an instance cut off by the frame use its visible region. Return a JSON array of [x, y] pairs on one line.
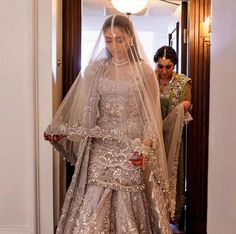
[[139, 157], [140, 161], [52, 137]]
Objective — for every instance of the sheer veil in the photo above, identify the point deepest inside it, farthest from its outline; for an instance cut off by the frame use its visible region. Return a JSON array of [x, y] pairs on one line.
[[116, 98]]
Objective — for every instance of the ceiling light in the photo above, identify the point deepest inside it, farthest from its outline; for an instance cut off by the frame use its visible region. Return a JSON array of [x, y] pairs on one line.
[[129, 6]]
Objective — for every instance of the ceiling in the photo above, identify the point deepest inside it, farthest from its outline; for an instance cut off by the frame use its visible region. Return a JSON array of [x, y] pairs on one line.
[[153, 8]]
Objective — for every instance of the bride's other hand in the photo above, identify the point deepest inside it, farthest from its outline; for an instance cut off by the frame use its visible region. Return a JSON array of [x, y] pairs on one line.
[[52, 137]]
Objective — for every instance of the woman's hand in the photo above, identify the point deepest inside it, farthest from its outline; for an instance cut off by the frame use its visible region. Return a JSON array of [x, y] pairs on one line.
[[52, 137], [186, 105]]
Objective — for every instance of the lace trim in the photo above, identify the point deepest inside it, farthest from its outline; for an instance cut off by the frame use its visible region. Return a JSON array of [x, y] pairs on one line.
[[172, 186]]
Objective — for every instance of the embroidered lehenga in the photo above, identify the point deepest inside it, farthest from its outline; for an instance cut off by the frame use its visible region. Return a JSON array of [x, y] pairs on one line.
[[110, 110]]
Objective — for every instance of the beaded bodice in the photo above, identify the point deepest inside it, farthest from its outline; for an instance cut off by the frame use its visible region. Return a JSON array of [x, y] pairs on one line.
[[118, 109]]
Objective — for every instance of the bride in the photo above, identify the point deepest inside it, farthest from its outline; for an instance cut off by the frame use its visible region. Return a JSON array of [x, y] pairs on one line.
[[109, 127]]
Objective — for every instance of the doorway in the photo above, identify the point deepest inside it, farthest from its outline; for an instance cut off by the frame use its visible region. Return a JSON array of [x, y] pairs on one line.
[[197, 134]]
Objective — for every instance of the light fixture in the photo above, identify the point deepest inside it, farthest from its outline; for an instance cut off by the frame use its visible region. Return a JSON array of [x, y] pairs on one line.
[[205, 28], [129, 6], [207, 22]]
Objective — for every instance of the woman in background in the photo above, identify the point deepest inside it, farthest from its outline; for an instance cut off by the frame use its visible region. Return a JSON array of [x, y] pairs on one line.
[[175, 97]]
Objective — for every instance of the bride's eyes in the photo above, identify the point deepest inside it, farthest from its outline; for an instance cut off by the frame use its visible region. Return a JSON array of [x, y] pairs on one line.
[[108, 41], [119, 39]]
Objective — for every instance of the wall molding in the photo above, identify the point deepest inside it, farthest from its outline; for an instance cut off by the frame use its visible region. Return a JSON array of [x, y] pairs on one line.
[[35, 68], [43, 114]]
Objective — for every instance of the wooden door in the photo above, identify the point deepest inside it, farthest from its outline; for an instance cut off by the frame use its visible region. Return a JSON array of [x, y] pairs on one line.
[[199, 71]]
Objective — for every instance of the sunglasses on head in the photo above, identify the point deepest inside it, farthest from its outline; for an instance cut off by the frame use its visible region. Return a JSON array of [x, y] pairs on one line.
[[168, 66]]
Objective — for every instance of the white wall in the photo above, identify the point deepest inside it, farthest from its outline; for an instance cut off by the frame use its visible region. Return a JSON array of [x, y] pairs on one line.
[[25, 104], [222, 136]]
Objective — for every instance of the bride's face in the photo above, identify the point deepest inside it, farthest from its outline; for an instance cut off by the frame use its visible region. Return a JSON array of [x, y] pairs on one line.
[[117, 42]]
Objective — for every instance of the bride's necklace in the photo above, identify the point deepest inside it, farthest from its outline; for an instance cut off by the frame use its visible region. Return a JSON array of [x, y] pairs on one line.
[[120, 62]]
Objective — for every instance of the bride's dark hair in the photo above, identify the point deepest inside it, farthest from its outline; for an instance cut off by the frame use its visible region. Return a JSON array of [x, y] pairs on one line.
[[124, 23]]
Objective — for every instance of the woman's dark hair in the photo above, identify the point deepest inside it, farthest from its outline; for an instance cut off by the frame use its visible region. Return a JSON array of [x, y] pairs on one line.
[[124, 23], [168, 52]]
